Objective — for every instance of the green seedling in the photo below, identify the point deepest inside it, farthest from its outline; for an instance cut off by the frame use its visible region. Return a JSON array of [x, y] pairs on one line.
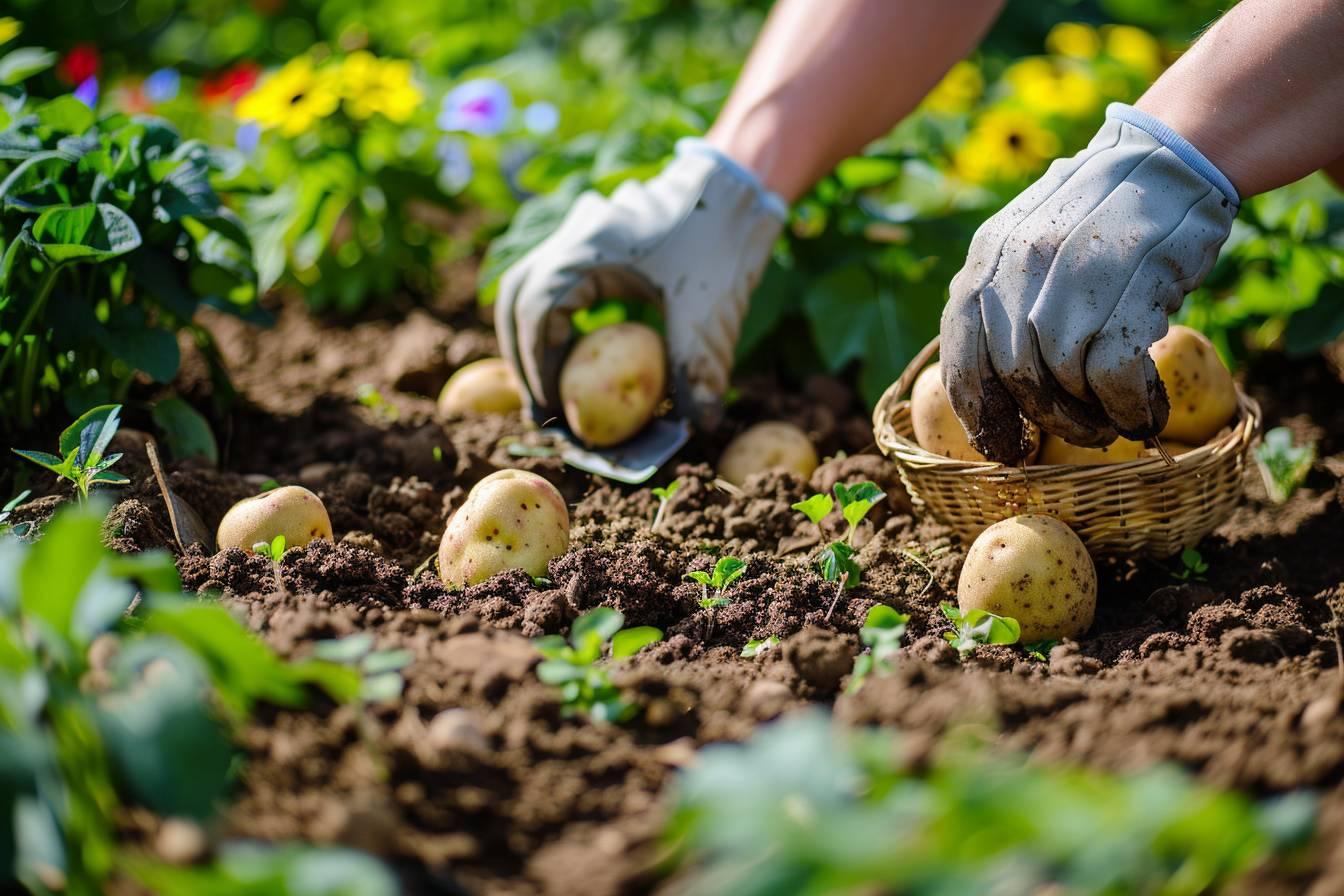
[[883, 629], [664, 495], [726, 571], [379, 670], [8, 510], [1040, 650], [1193, 566], [269, 485], [757, 646], [1283, 464], [836, 560], [976, 627], [372, 399], [273, 550], [572, 665], [82, 461]]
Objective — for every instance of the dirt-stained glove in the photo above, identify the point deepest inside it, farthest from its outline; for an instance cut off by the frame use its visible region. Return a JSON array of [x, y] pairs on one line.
[[1065, 289], [694, 240]]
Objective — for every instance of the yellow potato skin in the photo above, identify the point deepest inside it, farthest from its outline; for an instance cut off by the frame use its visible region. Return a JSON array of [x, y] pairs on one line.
[[937, 428], [481, 387], [1055, 450], [1202, 394], [773, 445], [1034, 569], [612, 382], [511, 519], [291, 511]]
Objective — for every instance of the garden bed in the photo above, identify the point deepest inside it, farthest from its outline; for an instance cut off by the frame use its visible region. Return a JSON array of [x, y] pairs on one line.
[[474, 782]]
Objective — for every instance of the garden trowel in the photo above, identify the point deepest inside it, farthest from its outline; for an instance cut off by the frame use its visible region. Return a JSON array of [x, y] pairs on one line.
[[630, 462]]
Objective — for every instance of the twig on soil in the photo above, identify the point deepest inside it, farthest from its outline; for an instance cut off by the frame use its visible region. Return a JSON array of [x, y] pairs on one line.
[[914, 558]]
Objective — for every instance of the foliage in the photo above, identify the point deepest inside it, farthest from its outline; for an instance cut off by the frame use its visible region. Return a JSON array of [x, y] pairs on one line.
[[1193, 566], [664, 495], [757, 646], [573, 666], [726, 571], [272, 551], [106, 699], [1283, 463], [806, 807], [251, 869], [836, 560], [6, 528], [882, 631], [976, 627], [1040, 650], [380, 670], [82, 462], [112, 235]]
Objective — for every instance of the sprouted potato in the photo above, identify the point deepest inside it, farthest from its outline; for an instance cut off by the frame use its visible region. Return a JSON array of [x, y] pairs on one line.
[[291, 511]]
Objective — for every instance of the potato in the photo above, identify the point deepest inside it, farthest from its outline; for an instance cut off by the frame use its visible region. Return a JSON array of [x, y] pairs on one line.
[[291, 511], [773, 445], [612, 382], [1203, 397], [937, 428], [1055, 450], [1034, 569], [481, 387], [511, 519]]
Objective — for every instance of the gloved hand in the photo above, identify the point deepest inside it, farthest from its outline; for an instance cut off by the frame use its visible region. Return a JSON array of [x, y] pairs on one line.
[[1066, 288], [694, 240]]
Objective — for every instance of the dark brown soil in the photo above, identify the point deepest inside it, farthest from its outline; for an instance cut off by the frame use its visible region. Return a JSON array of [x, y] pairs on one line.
[[474, 782]]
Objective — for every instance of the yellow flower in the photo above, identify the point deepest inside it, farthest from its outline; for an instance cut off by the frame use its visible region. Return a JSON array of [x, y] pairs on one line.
[[958, 91], [1134, 47], [1053, 87], [372, 86], [10, 28], [1004, 145], [294, 99], [1073, 39]]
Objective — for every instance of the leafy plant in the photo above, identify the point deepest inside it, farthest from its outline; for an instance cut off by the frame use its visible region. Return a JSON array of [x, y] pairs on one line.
[[1193, 566], [726, 571], [82, 444], [253, 869], [572, 665], [976, 627], [1283, 463], [810, 807], [7, 511], [882, 631], [380, 670], [272, 551], [757, 646], [664, 495], [372, 399], [836, 560], [1040, 650]]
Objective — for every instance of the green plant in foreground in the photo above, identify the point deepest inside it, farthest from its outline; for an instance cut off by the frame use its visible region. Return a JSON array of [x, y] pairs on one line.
[[1283, 464], [726, 571], [380, 670], [573, 666], [664, 495], [883, 629], [7, 511], [836, 560], [976, 627], [82, 461], [808, 807], [757, 646], [254, 869], [108, 700], [1040, 650], [1193, 566]]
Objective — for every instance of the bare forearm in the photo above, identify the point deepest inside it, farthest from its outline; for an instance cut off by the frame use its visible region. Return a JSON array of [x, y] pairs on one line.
[[826, 77], [1262, 92]]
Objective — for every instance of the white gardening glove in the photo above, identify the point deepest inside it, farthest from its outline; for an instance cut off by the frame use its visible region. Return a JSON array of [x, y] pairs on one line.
[[1065, 289], [692, 240]]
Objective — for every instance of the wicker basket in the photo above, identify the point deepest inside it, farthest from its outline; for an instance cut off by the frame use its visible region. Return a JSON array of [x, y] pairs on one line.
[[1149, 506]]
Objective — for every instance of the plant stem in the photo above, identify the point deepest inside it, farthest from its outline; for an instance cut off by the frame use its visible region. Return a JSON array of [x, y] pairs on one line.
[[839, 590], [658, 517], [38, 302]]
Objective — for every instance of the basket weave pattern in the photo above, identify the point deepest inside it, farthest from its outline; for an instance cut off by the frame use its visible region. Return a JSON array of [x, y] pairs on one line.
[[1146, 506]]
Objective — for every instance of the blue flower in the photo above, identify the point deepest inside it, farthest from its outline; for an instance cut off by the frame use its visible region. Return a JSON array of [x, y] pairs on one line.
[[247, 136], [87, 91], [455, 169], [162, 85], [541, 117], [480, 106]]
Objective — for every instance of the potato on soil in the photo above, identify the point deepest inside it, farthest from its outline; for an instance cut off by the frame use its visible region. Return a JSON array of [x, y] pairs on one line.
[[773, 445], [1055, 450], [1202, 394], [481, 387], [511, 519], [937, 428], [1034, 569], [291, 511], [612, 382]]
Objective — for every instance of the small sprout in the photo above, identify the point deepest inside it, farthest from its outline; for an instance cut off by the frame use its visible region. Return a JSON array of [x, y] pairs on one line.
[[82, 446], [882, 631], [1193, 566], [836, 560], [757, 646], [272, 550], [1283, 464], [664, 495], [726, 571], [1040, 650], [269, 485], [438, 454], [572, 665], [8, 510], [372, 399], [542, 582], [976, 627], [816, 508], [856, 501]]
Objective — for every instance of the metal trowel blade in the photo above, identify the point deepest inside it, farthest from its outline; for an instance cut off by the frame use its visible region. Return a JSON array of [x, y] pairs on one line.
[[631, 462]]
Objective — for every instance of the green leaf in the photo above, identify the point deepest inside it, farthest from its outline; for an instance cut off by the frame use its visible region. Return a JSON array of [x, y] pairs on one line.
[[861, 172], [382, 687], [20, 64], [277, 548], [726, 571], [816, 508], [757, 646], [93, 232], [386, 661], [559, 672], [1283, 464], [18, 499], [349, 649], [666, 493], [882, 616], [185, 430], [59, 566], [65, 114], [42, 459], [861, 493], [109, 477], [630, 641], [100, 422], [601, 621], [694, 575], [837, 560]]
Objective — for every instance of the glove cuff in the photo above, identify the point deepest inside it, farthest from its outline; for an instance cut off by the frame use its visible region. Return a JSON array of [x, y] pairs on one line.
[[1181, 147], [772, 203]]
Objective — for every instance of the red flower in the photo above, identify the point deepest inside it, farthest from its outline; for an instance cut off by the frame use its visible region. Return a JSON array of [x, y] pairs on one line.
[[227, 86], [80, 64]]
